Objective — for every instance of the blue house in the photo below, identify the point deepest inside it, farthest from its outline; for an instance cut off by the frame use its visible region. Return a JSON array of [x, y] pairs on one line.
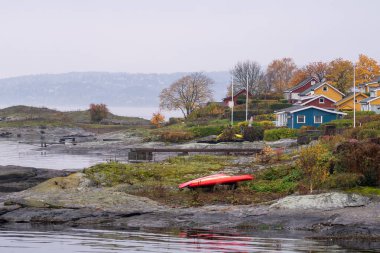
[[298, 116]]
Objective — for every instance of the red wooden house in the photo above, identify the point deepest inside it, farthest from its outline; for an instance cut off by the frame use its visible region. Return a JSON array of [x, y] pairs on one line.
[[292, 94], [239, 98], [320, 101]]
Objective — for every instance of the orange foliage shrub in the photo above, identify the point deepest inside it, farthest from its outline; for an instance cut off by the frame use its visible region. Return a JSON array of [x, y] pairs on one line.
[[98, 112], [157, 119]]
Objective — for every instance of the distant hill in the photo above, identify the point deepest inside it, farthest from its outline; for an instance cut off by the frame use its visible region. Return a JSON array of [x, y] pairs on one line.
[[30, 113], [83, 88]]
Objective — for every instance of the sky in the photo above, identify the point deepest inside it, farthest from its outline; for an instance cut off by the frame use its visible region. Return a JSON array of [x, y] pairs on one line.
[[164, 36]]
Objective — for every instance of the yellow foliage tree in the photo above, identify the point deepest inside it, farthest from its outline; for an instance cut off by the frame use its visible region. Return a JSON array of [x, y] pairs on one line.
[[157, 119], [317, 70], [298, 76], [340, 74], [280, 72], [314, 161], [366, 69]]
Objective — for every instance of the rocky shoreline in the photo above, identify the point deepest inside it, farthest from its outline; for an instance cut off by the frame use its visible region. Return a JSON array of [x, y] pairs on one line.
[[112, 143], [16, 178], [73, 201]]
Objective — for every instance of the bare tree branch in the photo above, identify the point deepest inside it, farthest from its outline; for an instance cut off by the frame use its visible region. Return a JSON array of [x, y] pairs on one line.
[[187, 93]]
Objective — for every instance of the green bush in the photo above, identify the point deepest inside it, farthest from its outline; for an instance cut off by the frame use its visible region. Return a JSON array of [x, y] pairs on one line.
[[269, 117], [240, 100], [360, 157], [266, 124], [279, 133], [360, 133], [173, 121], [202, 131], [239, 115], [368, 133], [228, 134], [253, 133], [290, 173], [350, 114], [274, 186], [175, 136], [372, 125], [242, 125], [339, 123], [343, 180], [280, 179], [279, 106], [212, 110]]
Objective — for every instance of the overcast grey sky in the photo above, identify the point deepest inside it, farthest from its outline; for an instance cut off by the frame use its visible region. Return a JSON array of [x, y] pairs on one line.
[[53, 36]]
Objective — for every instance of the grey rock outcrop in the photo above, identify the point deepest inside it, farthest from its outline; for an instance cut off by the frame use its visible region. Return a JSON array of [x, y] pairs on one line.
[[16, 178], [325, 201]]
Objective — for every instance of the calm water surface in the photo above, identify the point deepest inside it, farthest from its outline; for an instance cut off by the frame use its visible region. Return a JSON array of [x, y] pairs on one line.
[[14, 153], [76, 240]]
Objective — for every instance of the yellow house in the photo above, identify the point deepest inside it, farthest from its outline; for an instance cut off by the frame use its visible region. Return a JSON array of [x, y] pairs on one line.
[[372, 103], [367, 87], [347, 103], [324, 89]]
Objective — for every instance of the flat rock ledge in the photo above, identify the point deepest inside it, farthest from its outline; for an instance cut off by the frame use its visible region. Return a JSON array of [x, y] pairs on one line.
[[73, 201], [324, 201]]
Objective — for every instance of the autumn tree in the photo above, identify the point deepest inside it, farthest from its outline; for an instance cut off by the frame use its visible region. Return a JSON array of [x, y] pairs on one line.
[[157, 119], [314, 160], [317, 70], [280, 72], [98, 112], [340, 74], [298, 76], [187, 93], [366, 69], [252, 73]]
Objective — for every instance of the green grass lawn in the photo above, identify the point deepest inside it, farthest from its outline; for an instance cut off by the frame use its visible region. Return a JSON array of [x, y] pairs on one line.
[[159, 181]]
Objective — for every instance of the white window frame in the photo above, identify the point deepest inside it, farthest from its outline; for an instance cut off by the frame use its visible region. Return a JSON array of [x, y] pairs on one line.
[[304, 119], [325, 88], [321, 100], [315, 122]]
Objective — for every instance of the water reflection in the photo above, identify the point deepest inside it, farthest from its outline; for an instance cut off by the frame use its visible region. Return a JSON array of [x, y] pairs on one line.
[[84, 240]]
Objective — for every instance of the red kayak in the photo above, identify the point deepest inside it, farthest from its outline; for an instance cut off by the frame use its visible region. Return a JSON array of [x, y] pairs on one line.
[[215, 179]]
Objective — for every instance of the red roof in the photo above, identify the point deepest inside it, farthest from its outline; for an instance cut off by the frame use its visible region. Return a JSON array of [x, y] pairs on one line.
[[238, 94]]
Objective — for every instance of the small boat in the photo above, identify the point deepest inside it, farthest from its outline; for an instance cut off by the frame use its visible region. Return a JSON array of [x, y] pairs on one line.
[[216, 179]]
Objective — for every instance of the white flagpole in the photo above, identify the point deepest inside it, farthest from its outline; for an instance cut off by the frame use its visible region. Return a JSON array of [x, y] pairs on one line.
[[233, 101], [354, 96], [246, 100]]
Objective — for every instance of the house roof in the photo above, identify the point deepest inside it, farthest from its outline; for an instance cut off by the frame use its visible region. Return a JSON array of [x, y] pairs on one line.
[[316, 97], [349, 96], [307, 97], [316, 86], [289, 109], [375, 80], [237, 94], [367, 100], [302, 108], [299, 85]]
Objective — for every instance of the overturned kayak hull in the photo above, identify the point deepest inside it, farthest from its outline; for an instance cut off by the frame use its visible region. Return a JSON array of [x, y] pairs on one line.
[[215, 179]]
